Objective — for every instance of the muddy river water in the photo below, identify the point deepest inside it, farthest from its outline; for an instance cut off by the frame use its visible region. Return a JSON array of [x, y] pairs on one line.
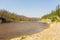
[[9, 30]]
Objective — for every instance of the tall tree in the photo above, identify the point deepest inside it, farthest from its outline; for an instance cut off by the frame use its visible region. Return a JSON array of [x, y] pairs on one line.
[[58, 10]]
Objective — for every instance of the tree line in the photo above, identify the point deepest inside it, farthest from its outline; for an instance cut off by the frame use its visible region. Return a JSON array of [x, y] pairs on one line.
[[54, 15], [6, 16]]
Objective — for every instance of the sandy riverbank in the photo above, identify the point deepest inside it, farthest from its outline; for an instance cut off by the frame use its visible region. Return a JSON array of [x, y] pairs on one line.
[[52, 33]]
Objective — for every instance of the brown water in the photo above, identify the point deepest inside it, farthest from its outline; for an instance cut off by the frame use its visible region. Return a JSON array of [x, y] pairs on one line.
[[9, 30]]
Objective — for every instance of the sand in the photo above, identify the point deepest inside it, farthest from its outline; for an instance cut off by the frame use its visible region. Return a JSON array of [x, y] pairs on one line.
[[51, 33]]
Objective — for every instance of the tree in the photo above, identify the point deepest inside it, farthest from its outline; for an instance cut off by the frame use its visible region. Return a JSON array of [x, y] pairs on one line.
[[54, 15], [58, 10]]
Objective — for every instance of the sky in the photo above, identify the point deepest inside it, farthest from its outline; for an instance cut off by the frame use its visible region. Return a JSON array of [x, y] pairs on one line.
[[29, 8]]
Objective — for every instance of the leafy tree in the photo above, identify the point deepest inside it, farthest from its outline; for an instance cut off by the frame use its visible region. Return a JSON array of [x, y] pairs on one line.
[[54, 15], [11, 17]]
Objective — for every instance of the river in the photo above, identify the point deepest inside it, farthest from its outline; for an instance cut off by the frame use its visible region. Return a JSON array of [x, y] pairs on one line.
[[10, 30]]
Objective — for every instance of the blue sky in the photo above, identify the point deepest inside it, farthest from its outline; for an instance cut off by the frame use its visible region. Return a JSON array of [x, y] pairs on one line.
[[30, 8]]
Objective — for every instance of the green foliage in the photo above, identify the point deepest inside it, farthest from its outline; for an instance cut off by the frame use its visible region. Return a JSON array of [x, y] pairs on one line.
[[11, 17], [54, 15]]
